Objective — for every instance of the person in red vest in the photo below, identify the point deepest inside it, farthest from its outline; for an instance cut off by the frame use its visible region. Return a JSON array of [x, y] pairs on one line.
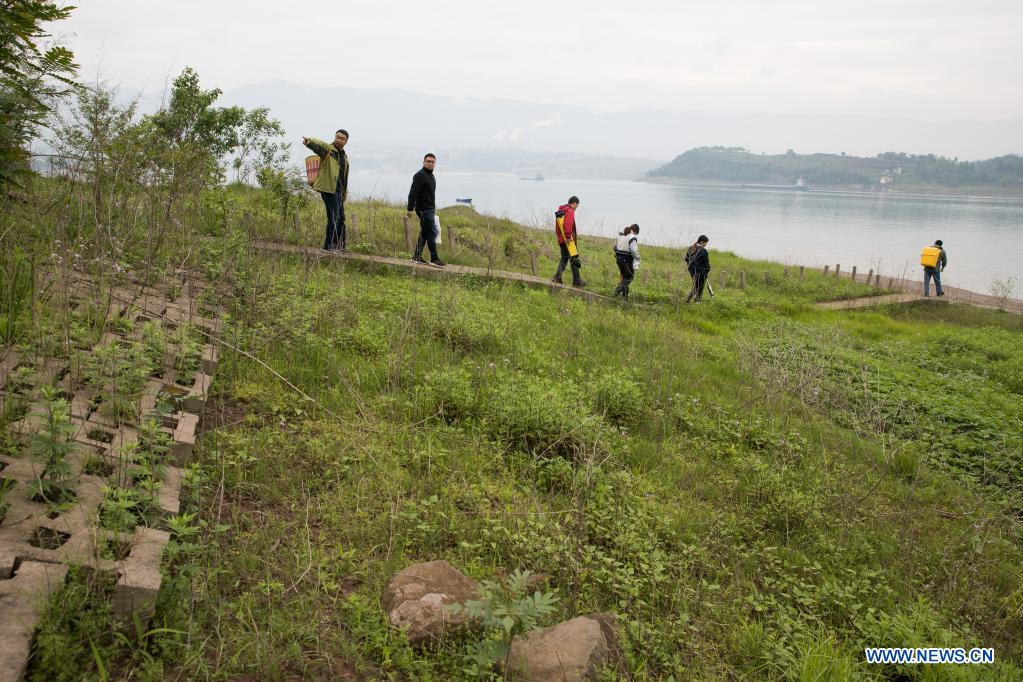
[[564, 227]]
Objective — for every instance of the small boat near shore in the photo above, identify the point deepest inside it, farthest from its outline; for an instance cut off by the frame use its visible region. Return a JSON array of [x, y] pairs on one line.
[[464, 201]]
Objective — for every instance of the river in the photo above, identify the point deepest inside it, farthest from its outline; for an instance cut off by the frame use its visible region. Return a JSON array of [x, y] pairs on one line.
[[984, 237]]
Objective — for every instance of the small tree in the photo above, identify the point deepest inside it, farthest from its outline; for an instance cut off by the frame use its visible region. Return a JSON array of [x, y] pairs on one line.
[[51, 445], [506, 611]]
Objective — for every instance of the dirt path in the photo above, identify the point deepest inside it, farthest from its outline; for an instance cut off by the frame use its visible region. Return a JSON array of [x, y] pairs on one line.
[[910, 290], [913, 290], [430, 271], [952, 295]]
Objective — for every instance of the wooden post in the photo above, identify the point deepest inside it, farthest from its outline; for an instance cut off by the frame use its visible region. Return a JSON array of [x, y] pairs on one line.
[[870, 276], [533, 256], [877, 280], [891, 282], [767, 277], [408, 233], [451, 242], [802, 271], [826, 268], [724, 278], [854, 273], [786, 273], [667, 274], [353, 233], [742, 279], [838, 269]]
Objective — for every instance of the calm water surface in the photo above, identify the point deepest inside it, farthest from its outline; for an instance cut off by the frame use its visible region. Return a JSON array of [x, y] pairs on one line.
[[984, 237]]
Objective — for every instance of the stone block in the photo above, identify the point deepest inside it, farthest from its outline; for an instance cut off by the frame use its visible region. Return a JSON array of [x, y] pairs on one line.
[[22, 598], [139, 576]]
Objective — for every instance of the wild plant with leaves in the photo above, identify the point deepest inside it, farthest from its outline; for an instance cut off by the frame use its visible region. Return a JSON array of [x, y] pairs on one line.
[[119, 509], [189, 353], [51, 445], [118, 373], [506, 611]]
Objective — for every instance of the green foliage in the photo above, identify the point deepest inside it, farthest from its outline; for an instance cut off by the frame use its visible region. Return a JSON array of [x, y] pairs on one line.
[[17, 289], [119, 509], [506, 611], [30, 78], [51, 445], [615, 396], [118, 374], [189, 351], [191, 120]]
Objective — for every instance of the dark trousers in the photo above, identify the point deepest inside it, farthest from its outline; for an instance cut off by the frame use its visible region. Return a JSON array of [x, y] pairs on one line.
[[699, 280], [628, 273], [335, 237], [565, 258], [427, 234]]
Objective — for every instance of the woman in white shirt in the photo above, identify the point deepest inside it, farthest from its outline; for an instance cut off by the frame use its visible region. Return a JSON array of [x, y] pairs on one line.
[[627, 258]]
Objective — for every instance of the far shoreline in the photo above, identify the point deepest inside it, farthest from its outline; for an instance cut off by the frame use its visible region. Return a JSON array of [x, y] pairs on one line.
[[931, 193]]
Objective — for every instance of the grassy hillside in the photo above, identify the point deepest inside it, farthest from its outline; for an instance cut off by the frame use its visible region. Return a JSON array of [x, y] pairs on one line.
[[757, 488]]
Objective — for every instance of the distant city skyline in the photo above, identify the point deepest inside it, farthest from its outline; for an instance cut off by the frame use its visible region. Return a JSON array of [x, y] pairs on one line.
[[935, 61]]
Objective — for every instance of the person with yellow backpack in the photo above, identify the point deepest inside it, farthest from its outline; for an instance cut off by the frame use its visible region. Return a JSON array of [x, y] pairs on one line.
[[565, 229], [934, 260], [329, 177]]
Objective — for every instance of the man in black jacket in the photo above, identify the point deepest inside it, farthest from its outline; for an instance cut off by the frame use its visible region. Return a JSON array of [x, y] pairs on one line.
[[698, 262], [422, 200]]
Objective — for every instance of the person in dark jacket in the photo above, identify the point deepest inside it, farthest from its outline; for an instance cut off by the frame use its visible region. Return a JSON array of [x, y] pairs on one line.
[[627, 258], [422, 200], [698, 263], [332, 184], [935, 272], [565, 229]]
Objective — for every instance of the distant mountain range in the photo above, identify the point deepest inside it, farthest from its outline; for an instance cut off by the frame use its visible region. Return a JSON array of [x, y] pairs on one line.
[[398, 118], [393, 128]]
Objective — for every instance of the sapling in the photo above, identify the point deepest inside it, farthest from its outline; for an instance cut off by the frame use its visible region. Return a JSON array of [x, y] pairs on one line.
[[189, 354], [506, 611], [117, 511], [51, 445]]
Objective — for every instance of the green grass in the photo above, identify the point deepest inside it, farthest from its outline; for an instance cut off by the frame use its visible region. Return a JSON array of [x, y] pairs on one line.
[[758, 489]]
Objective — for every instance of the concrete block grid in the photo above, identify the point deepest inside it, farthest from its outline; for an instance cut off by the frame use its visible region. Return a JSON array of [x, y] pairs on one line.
[[38, 542]]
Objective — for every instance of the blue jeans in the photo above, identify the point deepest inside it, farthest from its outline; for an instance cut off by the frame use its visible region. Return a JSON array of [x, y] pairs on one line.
[[936, 274], [335, 237], [427, 236]]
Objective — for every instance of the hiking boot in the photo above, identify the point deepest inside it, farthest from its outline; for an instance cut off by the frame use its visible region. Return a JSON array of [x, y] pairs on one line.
[[941, 293], [418, 259], [437, 263], [579, 284], [558, 280]]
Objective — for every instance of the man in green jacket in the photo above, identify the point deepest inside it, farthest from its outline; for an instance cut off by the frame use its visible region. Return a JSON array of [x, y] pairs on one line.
[[332, 184]]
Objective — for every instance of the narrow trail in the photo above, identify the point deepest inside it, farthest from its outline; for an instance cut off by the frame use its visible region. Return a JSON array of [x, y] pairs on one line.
[[951, 296], [450, 270], [910, 290]]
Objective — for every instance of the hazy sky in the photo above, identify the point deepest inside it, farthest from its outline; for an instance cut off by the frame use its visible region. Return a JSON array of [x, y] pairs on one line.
[[932, 59]]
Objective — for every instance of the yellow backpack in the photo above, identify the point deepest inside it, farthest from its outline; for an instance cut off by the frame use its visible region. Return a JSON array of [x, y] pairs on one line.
[[930, 256], [559, 225]]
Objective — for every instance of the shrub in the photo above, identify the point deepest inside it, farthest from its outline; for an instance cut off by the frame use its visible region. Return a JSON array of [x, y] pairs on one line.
[[618, 398]]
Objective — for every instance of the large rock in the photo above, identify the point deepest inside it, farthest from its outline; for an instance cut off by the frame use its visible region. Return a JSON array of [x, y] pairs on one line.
[[567, 652], [417, 599]]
